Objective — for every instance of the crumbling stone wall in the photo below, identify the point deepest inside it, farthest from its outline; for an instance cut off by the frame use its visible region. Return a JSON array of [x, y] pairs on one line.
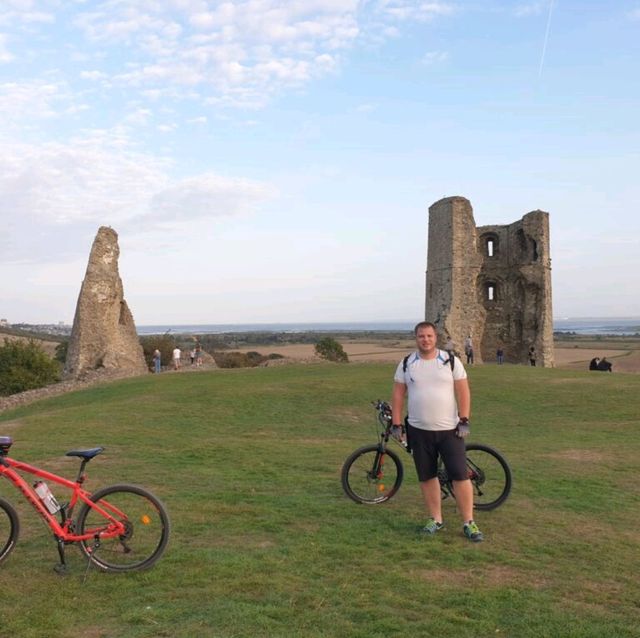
[[490, 282], [104, 335]]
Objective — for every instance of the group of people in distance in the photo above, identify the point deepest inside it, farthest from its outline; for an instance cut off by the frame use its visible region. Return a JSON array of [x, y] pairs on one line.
[[468, 351], [601, 365], [176, 356]]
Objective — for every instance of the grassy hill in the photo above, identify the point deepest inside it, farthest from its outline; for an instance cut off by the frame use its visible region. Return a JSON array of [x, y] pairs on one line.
[[265, 544]]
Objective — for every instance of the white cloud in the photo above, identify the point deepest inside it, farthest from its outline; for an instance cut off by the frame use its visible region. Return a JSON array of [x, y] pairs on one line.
[[34, 100], [434, 57], [93, 75], [18, 12], [5, 54], [531, 9], [240, 53], [410, 10], [53, 193], [206, 196], [166, 128]]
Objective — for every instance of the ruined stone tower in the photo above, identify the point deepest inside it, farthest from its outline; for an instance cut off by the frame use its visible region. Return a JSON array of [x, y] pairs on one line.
[[490, 282], [104, 335]]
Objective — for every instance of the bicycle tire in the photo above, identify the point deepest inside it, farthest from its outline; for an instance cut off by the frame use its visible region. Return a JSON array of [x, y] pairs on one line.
[[363, 482], [490, 476], [147, 535], [9, 528]]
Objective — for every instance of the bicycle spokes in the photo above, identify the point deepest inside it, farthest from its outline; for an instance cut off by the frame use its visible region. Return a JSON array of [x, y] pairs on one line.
[[371, 475]]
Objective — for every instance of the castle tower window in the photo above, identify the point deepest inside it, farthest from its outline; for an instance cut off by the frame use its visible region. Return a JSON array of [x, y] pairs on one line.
[[491, 245], [491, 291]]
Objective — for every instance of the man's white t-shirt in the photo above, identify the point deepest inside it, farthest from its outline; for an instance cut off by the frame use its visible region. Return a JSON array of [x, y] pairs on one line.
[[431, 398], [176, 353]]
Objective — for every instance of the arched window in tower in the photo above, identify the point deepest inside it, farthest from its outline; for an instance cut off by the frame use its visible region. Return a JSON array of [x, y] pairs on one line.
[[490, 244], [491, 291]]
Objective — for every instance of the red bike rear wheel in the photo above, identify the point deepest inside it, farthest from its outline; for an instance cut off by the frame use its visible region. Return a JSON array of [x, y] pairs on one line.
[[146, 529]]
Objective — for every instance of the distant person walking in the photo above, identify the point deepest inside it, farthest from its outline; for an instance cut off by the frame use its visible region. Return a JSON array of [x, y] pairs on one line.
[[449, 346], [157, 361], [177, 353], [198, 356], [500, 355], [468, 349], [532, 356]]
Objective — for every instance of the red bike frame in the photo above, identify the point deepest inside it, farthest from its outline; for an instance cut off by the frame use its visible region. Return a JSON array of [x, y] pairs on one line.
[[64, 532]]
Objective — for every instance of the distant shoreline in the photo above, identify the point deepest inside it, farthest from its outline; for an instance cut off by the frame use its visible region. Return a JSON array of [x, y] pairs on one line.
[[566, 327]]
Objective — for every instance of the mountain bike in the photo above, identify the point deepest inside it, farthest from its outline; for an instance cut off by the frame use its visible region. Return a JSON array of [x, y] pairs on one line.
[[118, 528], [373, 474]]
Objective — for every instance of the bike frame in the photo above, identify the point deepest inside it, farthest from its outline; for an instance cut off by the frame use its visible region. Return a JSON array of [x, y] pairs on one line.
[[446, 487], [9, 468]]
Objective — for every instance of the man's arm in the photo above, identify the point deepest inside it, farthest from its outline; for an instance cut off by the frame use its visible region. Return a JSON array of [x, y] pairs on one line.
[[463, 397], [397, 403]]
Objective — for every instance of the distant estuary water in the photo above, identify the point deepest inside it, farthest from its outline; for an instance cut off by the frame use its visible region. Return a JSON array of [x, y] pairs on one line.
[[580, 325]]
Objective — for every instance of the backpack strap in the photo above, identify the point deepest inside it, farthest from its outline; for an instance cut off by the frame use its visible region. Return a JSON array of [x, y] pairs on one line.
[[451, 361]]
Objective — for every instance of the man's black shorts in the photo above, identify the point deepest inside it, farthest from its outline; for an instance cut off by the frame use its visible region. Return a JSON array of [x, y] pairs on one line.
[[426, 445]]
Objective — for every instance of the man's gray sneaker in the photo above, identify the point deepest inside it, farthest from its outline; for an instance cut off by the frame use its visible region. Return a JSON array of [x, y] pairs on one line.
[[432, 526], [472, 532]]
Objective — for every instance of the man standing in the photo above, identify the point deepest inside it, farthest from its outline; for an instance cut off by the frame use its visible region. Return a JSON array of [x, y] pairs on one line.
[[439, 403], [177, 353]]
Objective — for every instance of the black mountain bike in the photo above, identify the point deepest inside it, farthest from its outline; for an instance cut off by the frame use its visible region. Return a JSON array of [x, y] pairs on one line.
[[374, 473]]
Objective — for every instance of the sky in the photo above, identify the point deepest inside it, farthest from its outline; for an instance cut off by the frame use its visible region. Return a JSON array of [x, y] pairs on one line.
[[274, 161]]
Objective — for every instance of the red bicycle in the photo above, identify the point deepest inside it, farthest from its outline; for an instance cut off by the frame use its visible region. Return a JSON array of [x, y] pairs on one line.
[[118, 528]]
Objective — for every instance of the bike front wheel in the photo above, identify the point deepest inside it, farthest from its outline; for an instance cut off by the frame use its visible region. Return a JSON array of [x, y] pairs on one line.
[[9, 528], [372, 475], [490, 476], [146, 525]]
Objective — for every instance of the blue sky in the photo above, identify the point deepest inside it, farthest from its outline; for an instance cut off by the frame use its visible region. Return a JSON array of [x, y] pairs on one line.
[[267, 161]]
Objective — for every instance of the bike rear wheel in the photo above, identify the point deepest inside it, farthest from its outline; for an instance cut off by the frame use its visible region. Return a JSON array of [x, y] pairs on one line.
[[146, 522], [9, 528], [372, 475], [490, 476]]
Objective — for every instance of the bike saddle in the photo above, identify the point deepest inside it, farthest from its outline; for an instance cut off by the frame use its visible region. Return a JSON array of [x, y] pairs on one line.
[[86, 454], [5, 444]]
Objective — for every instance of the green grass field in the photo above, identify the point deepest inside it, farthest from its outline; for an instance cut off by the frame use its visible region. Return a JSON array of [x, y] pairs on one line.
[[265, 543]]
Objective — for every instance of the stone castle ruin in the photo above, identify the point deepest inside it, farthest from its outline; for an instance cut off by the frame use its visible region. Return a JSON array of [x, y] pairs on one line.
[[490, 282], [103, 336]]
